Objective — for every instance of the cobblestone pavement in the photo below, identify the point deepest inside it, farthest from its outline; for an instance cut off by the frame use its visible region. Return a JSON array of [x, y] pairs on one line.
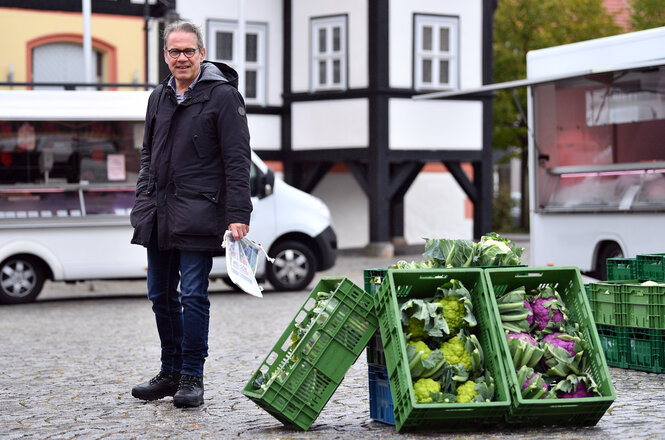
[[68, 363]]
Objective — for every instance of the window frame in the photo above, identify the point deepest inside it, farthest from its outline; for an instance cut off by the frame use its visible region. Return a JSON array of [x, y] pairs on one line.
[[259, 66], [330, 56], [436, 55]]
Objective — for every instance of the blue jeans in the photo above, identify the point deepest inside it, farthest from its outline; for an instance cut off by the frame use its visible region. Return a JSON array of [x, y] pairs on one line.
[[182, 320]]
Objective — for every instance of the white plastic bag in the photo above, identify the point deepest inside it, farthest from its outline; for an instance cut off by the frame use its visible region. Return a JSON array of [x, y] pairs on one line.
[[242, 258]]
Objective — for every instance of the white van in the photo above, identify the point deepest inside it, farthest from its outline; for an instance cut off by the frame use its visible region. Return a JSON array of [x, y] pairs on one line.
[[68, 167]]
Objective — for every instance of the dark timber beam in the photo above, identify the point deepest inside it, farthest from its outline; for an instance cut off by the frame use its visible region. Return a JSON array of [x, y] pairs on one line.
[[378, 163], [311, 177]]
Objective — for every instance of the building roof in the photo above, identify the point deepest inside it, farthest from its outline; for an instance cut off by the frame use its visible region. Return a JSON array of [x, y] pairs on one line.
[[621, 11]]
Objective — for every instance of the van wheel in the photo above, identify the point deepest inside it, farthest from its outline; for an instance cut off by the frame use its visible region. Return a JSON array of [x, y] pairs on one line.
[[293, 268], [21, 280], [608, 250]]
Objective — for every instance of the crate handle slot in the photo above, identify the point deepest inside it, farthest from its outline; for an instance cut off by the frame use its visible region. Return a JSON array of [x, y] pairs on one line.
[[529, 275], [432, 277]]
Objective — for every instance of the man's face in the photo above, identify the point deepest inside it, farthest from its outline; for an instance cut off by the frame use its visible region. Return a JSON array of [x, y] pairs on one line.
[[183, 69]]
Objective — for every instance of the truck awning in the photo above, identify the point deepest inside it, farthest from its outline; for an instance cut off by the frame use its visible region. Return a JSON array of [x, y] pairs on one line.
[[534, 81]]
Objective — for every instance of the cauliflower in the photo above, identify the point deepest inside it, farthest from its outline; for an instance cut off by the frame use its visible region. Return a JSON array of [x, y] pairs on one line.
[[548, 309], [580, 391], [423, 387], [524, 350], [415, 330], [422, 348], [455, 353], [454, 312], [558, 339], [577, 386], [466, 392], [528, 307], [456, 306]]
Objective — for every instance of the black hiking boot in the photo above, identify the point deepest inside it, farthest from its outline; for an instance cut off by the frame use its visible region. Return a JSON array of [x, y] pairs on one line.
[[190, 392], [164, 384]]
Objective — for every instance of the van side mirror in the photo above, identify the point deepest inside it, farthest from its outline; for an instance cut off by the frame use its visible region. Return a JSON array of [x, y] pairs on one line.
[[266, 183]]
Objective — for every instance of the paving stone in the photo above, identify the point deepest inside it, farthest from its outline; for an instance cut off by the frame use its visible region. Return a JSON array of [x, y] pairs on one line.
[[68, 363]]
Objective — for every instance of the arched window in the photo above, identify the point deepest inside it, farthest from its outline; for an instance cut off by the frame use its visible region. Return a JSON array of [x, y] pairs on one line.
[[59, 58]]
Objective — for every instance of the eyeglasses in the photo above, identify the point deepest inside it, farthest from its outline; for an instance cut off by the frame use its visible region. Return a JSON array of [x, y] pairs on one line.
[[175, 53]]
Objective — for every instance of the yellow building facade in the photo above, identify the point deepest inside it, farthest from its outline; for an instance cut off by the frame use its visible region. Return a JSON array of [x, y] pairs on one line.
[[118, 40]]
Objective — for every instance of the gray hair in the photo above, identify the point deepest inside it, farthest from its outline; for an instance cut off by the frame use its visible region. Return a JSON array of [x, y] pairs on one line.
[[183, 26]]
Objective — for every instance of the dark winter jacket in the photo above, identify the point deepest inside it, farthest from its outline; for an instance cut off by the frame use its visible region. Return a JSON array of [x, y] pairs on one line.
[[195, 162]]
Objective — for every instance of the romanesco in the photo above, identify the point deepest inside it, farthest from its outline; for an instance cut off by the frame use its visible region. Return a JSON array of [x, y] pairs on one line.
[[454, 312], [422, 389], [415, 330], [455, 353], [422, 348], [466, 392]]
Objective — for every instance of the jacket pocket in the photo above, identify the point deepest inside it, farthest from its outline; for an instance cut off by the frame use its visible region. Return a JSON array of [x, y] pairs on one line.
[[204, 135], [194, 213], [144, 207]]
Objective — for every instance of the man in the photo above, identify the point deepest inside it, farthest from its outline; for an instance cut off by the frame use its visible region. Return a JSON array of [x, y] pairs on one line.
[[193, 185]]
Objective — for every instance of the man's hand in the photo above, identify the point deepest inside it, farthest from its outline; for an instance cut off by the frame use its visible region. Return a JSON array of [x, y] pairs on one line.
[[239, 230]]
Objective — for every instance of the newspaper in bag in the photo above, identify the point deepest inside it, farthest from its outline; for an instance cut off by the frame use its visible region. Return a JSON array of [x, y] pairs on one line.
[[242, 258]]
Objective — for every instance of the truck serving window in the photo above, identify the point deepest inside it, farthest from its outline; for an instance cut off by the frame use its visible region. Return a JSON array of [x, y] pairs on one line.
[[599, 142], [68, 168]]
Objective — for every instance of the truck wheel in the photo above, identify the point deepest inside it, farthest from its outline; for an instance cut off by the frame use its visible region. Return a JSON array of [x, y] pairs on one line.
[[21, 280], [607, 250], [293, 268]]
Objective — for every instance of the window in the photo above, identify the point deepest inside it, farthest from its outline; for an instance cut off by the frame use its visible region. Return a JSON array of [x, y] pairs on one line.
[[51, 152], [224, 46], [61, 63], [436, 55], [328, 53]]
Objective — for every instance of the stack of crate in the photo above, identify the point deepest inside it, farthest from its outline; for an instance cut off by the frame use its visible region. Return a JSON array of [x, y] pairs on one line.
[[380, 400], [629, 310]]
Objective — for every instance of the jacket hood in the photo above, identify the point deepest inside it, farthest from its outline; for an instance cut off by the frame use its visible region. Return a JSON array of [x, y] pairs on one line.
[[215, 71]]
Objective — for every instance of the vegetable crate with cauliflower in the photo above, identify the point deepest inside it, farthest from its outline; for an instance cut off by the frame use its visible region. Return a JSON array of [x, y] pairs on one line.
[[439, 342], [557, 372], [310, 359]]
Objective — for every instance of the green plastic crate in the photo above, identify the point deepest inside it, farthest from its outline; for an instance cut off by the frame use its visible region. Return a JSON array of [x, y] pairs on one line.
[[606, 301], [650, 267], [645, 349], [628, 303], [644, 306], [621, 269], [372, 279], [613, 342], [568, 412], [401, 285], [310, 372]]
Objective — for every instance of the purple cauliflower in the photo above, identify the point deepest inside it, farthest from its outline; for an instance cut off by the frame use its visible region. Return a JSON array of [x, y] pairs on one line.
[[543, 313], [537, 377], [554, 339], [521, 336], [527, 306], [580, 391]]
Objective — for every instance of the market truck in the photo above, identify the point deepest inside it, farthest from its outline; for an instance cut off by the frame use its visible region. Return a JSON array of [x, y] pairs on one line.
[[69, 161], [596, 112], [596, 130]]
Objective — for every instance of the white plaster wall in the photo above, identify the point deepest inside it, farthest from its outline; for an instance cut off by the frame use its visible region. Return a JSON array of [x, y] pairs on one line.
[[434, 208], [258, 11], [341, 123], [265, 132], [431, 124], [356, 12], [470, 13], [348, 207]]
